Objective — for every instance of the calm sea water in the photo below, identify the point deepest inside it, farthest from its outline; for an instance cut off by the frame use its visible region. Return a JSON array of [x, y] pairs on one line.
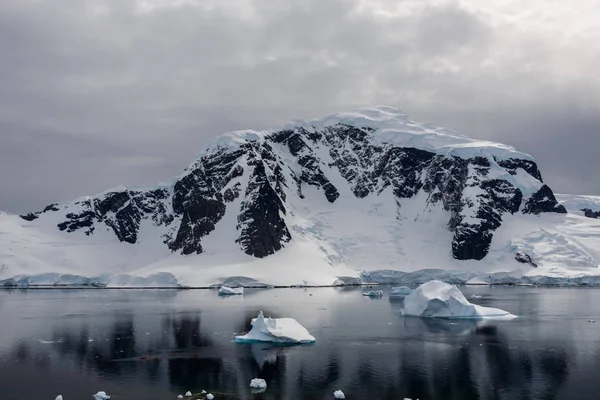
[[156, 344]]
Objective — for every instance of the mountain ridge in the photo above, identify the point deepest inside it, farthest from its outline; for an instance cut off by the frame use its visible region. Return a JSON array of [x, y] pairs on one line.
[[265, 185]]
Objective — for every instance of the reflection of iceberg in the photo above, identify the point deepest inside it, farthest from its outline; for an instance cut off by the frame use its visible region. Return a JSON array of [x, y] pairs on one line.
[[277, 330], [443, 325], [440, 300], [263, 353]]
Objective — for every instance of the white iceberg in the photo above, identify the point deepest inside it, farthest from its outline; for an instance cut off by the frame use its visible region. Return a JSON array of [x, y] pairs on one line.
[[441, 300], [338, 394], [101, 396], [188, 394], [277, 330], [373, 293], [400, 291], [59, 397], [229, 291], [180, 396], [210, 396], [258, 383]]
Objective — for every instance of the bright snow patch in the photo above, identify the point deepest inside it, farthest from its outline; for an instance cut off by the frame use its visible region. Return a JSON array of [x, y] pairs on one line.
[[400, 291], [258, 383], [101, 396], [277, 330], [229, 291], [338, 394], [441, 300]]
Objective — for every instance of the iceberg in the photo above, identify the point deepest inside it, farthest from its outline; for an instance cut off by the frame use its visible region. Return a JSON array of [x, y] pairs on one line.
[[210, 396], [277, 330], [59, 397], [188, 394], [101, 396], [436, 299], [400, 291], [229, 291], [338, 394], [258, 383], [373, 293]]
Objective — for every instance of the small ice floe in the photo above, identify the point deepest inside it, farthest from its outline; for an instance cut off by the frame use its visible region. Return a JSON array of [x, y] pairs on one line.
[[59, 397], [188, 394], [203, 392], [373, 293], [210, 396], [476, 296], [400, 291], [258, 384], [229, 291], [338, 394], [180, 396], [277, 330], [436, 299], [591, 320], [101, 396]]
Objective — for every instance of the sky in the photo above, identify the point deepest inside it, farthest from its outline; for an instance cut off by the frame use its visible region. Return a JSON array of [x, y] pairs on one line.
[[99, 93]]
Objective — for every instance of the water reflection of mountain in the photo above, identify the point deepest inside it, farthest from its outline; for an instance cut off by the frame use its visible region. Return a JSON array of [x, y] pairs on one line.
[[434, 359]]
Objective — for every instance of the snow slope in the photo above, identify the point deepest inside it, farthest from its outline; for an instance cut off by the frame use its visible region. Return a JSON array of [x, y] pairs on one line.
[[314, 201]]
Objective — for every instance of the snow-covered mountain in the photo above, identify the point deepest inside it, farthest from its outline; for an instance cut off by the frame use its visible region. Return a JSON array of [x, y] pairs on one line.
[[314, 201]]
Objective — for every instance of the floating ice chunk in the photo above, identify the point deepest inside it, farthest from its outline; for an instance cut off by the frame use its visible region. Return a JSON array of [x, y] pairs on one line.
[[101, 396], [400, 291], [59, 397], [373, 293], [278, 330], [229, 291], [203, 392], [338, 394], [441, 300], [476, 296], [258, 383], [188, 394], [180, 396], [592, 320], [210, 396]]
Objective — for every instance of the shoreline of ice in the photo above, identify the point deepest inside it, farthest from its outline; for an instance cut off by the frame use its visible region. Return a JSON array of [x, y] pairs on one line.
[[163, 280]]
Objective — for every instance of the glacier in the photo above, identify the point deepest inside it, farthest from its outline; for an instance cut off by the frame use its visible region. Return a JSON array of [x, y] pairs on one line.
[[366, 196]]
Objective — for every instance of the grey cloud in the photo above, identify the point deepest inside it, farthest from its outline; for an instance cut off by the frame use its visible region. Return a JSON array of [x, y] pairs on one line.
[[92, 97]]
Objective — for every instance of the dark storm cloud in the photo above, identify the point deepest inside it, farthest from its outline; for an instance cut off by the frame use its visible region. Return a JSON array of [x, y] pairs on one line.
[[99, 93]]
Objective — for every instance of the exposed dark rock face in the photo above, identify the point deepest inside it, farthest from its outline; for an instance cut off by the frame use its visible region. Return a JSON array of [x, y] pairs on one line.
[[543, 201], [34, 216], [253, 181], [262, 228], [524, 258], [591, 213]]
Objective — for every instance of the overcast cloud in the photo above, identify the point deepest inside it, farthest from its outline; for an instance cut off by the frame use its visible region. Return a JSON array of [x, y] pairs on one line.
[[96, 93]]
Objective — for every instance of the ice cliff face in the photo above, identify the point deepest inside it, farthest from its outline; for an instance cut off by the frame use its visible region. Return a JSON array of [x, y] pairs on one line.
[[260, 177]]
